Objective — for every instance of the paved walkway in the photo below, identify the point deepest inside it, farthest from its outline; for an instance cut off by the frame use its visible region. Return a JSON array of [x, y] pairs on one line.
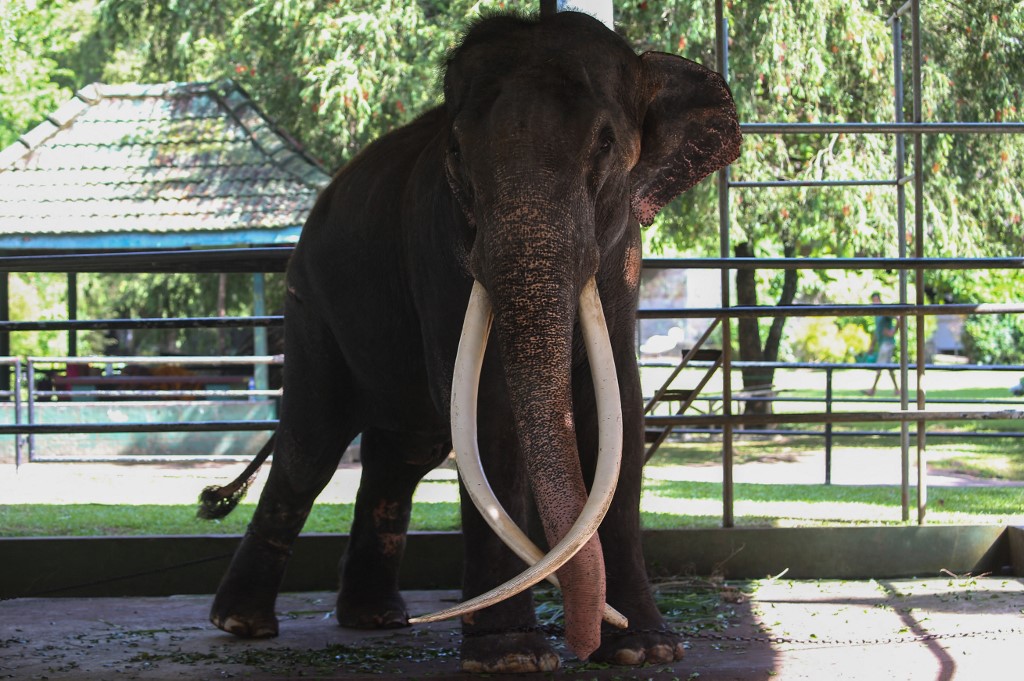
[[936, 629], [180, 483]]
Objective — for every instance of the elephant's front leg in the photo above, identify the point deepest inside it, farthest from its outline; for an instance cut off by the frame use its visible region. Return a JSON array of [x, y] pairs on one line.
[[502, 639], [393, 465], [647, 639]]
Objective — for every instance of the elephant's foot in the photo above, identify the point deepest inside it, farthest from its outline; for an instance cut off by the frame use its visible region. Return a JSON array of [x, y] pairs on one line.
[[508, 653], [630, 648], [244, 604], [243, 622], [385, 613]]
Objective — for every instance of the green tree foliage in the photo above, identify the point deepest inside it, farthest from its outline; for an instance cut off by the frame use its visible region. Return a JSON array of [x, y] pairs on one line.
[[832, 61], [993, 339], [39, 296], [338, 74], [174, 295], [44, 51]]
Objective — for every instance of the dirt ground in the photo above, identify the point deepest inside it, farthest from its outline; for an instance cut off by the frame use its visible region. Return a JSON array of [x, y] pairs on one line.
[[949, 628]]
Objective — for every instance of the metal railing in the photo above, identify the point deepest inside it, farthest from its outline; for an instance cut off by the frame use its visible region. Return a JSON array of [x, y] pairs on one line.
[[30, 399], [707, 423], [274, 259], [917, 128]]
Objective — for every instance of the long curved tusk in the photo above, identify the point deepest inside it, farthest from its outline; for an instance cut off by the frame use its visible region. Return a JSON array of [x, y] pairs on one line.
[[472, 346], [464, 399]]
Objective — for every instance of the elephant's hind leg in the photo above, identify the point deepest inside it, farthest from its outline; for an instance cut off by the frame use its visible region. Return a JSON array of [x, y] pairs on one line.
[[392, 464], [318, 420]]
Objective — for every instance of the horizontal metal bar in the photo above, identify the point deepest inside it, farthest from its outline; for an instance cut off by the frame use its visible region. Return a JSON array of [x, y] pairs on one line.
[[271, 259], [133, 427], [180, 459], [813, 183], [88, 395], [880, 128], [177, 359], [151, 323], [852, 433], [836, 417], [739, 312], [906, 7], [176, 261], [757, 311], [848, 366], [834, 263]]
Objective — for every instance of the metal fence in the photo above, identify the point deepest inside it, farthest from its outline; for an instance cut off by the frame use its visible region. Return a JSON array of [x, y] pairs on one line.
[[906, 263], [274, 260]]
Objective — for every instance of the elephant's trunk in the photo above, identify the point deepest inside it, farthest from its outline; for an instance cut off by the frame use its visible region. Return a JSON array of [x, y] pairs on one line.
[[535, 293], [533, 263]]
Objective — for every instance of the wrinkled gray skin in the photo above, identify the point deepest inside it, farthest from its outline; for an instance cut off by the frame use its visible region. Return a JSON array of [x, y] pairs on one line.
[[554, 143]]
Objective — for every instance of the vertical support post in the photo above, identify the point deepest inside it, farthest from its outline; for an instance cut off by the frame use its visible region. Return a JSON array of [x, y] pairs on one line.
[[72, 313], [548, 7], [31, 407], [901, 232], [259, 333], [728, 490], [828, 425], [922, 461], [18, 438], [5, 336]]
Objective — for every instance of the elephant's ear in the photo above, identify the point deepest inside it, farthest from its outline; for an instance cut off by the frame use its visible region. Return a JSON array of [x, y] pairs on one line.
[[690, 130]]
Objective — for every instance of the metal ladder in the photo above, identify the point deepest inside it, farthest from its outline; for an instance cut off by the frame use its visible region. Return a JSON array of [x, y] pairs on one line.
[[685, 396]]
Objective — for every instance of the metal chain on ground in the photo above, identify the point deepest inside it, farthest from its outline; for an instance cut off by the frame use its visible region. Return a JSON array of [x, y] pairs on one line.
[[558, 630], [117, 578], [787, 640]]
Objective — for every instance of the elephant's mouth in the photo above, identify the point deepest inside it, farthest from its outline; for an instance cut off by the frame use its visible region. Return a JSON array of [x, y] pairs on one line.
[[472, 346]]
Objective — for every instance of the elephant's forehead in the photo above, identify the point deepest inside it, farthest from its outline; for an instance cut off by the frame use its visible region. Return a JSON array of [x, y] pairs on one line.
[[573, 55]]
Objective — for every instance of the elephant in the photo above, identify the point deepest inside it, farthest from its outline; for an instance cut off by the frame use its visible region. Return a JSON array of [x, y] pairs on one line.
[[525, 189]]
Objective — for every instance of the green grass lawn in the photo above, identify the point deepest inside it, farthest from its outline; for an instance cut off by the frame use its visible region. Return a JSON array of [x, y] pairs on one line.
[[667, 504]]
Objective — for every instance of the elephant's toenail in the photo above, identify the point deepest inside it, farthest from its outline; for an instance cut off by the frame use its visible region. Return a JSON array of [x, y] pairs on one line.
[[627, 656], [660, 653]]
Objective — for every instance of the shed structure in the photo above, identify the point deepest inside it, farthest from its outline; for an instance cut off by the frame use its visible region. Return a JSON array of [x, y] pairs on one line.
[[153, 167], [169, 166]]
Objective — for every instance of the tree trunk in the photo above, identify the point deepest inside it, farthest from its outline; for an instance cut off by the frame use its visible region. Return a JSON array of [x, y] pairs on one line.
[[748, 330]]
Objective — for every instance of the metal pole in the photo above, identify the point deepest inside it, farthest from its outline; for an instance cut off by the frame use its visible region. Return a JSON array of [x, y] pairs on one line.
[[828, 426], [31, 407], [72, 312], [5, 338], [922, 461], [17, 412], [901, 231], [728, 490], [259, 342]]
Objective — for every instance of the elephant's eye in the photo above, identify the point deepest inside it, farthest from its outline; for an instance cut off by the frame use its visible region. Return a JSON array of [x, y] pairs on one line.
[[607, 142]]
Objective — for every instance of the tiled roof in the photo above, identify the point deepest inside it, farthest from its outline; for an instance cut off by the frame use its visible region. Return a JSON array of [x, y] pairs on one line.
[[171, 165]]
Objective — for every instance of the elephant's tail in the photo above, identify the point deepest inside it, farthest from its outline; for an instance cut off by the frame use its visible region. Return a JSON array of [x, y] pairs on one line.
[[215, 502]]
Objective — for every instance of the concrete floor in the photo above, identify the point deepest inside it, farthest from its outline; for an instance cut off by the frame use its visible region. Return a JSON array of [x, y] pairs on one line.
[[783, 630]]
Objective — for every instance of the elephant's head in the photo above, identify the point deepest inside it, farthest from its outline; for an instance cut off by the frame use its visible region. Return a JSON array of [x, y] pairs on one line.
[[560, 137]]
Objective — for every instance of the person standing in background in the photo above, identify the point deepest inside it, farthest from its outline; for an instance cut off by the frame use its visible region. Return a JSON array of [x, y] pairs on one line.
[[883, 344]]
